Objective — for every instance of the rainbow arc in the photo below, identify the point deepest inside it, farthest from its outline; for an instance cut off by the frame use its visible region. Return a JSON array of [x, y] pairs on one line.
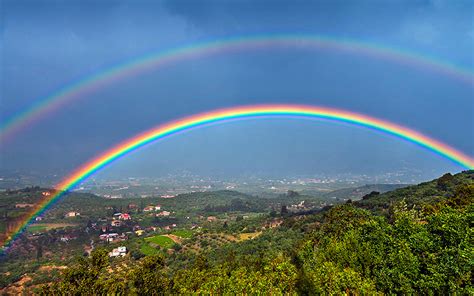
[[81, 88], [237, 113]]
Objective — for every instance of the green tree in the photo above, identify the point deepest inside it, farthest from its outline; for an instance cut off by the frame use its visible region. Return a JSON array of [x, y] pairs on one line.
[[149, 278]]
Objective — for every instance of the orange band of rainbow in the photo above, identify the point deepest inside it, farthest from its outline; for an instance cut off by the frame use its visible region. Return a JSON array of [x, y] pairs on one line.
[[222, 115]]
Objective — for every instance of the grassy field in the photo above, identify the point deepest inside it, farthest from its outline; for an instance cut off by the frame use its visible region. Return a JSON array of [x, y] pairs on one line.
[[47, 226], [183, 233], [37, 228], [148, 250], [162, 241]]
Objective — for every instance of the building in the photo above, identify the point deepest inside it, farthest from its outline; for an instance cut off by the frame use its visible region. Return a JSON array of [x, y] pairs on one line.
[[163, 214], [152, 208], [211, 219], [66, 238], [109, 237], [149, 209], [72, 214], [116, 223], [167, 196], [274, 223], [298, 206], [125, 217], [120, 251], [24, 205], [152, 228]]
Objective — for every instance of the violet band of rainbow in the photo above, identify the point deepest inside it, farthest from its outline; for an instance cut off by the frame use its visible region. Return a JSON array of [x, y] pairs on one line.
[[80, 88], [222, 115]]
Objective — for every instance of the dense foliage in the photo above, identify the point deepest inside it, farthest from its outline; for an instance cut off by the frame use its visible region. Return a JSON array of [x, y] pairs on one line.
[[419, 243]]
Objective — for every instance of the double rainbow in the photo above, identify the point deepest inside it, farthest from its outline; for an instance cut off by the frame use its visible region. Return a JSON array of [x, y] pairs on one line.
[[79, 89], [236, 113]]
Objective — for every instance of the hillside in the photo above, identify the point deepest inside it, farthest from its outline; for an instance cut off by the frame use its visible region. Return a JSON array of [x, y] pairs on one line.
[[209, 219], [420, 245], [442, 189], [358, 192]]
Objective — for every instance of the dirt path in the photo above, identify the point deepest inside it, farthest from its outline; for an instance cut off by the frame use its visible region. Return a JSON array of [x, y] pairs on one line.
[[175, 238], [249, 235]]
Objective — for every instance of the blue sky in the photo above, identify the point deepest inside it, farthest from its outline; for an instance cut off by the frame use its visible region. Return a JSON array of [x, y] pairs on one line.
[[48, 44]]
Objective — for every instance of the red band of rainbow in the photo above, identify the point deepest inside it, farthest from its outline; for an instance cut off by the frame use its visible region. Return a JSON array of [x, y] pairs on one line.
[[80, 88], [235, 113]]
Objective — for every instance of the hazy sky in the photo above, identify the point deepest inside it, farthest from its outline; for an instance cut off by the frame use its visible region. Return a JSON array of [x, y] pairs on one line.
[[46, 45]]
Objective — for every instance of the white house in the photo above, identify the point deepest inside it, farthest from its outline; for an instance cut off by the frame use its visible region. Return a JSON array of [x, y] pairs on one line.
[[109, 237], [120, 251], [72, 214], [167, 196], [66, 238]]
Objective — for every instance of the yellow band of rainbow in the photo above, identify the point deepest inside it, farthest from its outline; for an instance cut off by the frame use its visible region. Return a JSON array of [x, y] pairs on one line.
[[236, 113], [81, 88]]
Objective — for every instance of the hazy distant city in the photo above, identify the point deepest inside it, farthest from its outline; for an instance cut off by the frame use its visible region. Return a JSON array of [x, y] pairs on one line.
[[185, 182]]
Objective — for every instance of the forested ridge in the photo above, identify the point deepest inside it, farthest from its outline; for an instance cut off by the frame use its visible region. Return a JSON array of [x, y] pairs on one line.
[[414, 240]]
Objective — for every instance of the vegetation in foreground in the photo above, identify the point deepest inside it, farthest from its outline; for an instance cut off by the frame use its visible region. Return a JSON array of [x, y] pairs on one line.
[[416, 240]]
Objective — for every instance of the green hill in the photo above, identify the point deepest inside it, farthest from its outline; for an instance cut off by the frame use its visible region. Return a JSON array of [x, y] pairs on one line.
[[442, 189], [358, 192], [414, 240]]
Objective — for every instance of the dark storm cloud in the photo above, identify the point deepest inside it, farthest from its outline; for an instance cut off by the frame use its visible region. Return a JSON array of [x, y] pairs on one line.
[[48, 44], [442, 24]]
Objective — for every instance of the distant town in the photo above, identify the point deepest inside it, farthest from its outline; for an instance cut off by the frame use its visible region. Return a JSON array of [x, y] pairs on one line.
[[174, 184]]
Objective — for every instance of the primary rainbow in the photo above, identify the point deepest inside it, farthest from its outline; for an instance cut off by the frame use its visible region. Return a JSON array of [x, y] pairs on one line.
[[80, 88], [236, 113]]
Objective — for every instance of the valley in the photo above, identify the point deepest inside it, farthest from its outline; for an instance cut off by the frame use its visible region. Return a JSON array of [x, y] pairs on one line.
[[220, 227]]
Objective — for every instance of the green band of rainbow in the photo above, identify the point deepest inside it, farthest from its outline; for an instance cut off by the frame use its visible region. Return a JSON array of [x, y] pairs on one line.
[[222, 115], [79, 89]]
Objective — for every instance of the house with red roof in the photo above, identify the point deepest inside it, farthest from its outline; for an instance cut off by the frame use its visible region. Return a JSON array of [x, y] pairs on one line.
[[125, 216]]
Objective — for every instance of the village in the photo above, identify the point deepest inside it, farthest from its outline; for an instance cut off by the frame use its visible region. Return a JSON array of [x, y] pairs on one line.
[[142, 226], [130, 228], [120, 227]]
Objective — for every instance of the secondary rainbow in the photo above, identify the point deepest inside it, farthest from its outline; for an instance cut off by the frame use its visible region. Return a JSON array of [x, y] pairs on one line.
[[236, 113], [79, 89]]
